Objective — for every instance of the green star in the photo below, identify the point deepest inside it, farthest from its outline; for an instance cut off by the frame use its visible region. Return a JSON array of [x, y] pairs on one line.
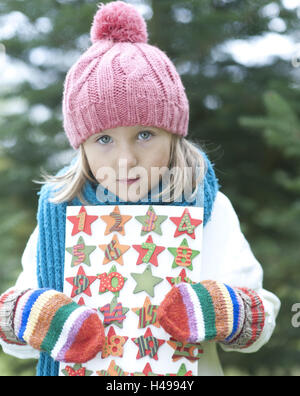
[[146, 281], [151, 222], [77, 370], [183, 255], [182, 372], [81, 253]]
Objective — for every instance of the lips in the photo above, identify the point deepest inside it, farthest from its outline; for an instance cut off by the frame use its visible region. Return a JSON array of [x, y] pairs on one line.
[[128, 181]]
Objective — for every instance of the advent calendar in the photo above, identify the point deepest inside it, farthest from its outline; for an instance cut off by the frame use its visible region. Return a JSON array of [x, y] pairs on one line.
[[122, 260]]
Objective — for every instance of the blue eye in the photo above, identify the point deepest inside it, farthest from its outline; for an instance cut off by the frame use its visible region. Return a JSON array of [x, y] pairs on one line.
[[104, 139], [145, 135]]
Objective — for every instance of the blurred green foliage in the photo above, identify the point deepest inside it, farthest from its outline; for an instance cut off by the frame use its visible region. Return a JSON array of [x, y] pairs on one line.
[[245, 116]]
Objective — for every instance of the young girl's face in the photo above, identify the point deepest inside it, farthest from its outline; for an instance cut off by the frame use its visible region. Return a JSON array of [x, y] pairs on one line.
[[129, 161]]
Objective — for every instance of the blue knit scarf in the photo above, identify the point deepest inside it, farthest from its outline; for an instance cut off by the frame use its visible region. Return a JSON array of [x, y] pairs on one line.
[[51, 219]]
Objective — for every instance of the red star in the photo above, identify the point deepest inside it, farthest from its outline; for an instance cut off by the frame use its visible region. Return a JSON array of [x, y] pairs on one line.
[[147, 346], [81, 301], [75, 373], [113, 344], [181, 278], [146, 251], [82, 222], [185, 224], [147, 369], [81, 283]]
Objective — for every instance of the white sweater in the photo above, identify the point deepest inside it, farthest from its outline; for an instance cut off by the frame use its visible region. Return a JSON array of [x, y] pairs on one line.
[[226, 257]]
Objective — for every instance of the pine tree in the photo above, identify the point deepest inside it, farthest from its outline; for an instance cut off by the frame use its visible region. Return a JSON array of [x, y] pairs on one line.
[[279, 221]]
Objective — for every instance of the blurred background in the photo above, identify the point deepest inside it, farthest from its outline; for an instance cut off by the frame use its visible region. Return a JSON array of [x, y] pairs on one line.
[[240, 63]]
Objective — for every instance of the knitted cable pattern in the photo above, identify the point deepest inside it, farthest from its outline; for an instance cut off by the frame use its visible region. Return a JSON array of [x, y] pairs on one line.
[[122, 80]]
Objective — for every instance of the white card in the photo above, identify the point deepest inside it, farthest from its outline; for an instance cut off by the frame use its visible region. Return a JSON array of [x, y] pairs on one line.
[[92, 253]]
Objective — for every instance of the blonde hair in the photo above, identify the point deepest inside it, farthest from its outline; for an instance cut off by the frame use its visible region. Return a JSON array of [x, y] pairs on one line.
[[186, 162]]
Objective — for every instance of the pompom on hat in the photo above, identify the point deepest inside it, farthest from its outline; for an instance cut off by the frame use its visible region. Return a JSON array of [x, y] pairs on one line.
[[121, 80], [120, 22]]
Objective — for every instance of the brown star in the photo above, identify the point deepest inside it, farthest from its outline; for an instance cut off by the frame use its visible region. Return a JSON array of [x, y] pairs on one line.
[[115, 221], [114, 251]]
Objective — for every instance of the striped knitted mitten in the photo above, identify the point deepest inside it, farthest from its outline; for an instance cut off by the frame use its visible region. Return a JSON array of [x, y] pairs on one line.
[[50, 321], [212, 311]]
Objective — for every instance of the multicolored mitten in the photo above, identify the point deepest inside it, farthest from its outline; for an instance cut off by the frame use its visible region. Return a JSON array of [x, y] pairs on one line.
[[51, 322], [212, 311]]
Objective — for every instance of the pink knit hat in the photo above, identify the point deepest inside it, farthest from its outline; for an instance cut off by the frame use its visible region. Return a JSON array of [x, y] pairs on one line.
[[121, 80]]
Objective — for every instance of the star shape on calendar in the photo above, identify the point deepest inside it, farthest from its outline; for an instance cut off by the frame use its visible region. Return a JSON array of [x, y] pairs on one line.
[[113, 371], [185, 224], [76, 371], [189, 351], [82, 222], [114, 251], [81, 283], [112, 281], [148, 252], [147, 314], [146, 281], [114, 313], [80, 253], [147, 345], [151, 221], [147, 372], [182, 277], [113, 344], [81, 301], [183, 255], [115, 221], [182, 372]]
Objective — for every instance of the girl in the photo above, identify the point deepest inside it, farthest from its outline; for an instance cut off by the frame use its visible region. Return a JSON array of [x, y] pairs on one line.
[[126, 111]]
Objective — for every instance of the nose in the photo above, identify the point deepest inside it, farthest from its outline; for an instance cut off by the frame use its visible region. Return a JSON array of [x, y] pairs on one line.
[[128, 158]]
